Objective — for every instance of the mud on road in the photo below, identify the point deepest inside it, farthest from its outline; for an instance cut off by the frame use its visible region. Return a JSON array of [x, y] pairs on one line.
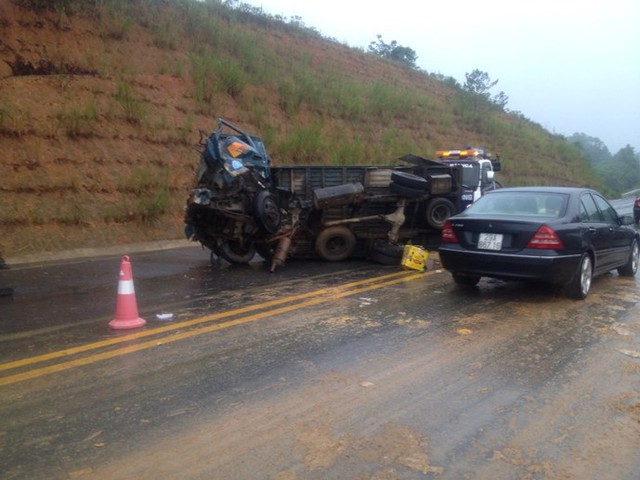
[[417, 379]]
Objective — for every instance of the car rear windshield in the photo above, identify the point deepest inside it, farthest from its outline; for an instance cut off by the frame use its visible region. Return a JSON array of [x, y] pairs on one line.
[[544, 204]]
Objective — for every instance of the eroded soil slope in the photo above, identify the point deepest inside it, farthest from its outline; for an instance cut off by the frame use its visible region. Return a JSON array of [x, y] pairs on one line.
[[96, 143]]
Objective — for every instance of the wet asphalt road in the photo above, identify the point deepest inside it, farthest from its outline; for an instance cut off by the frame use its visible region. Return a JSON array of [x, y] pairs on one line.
[[346, 370]]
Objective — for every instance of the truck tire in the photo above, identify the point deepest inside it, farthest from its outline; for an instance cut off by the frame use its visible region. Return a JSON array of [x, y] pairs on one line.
[[438, 211], [387, 248], [386, 253], [267, 212], [383, 259], [335, 244], [236, 252], [404, 191], [409, 180]]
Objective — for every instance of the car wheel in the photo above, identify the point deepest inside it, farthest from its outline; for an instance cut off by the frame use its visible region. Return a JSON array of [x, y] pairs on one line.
[[409, 180], [466, 280], [236, 252], [631, 267], [267, 212], [438, 211], [581, 284], [335, 244]]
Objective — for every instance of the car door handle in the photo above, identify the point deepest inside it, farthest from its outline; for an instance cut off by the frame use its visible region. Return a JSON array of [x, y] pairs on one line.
[[592, 230]]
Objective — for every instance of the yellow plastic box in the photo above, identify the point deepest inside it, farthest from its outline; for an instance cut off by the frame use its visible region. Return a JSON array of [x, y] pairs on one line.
[[415, 258]]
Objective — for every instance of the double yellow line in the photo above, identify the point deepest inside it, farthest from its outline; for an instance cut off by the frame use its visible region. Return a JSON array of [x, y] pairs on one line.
[[244, 314]]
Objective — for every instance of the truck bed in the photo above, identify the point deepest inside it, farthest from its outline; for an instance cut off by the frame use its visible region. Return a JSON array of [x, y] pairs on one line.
[[378, 200]]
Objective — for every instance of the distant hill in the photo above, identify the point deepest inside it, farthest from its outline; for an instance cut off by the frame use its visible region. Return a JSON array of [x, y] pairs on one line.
[[101, 104]]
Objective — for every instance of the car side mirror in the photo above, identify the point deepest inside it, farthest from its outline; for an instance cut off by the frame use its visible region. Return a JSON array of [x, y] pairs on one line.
[[487, 176], [626, 220]]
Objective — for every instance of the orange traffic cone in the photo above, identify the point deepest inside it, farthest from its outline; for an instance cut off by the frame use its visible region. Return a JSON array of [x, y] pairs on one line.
[[126, 306]]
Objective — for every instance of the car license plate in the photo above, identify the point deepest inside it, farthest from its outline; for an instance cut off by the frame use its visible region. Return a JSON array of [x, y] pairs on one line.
[[490, 241]]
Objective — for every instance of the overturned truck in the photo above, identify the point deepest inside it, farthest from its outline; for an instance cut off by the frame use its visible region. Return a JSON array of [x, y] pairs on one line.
[[242, 205]]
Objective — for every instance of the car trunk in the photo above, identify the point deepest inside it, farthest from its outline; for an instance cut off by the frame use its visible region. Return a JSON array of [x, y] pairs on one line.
[[510, 235]]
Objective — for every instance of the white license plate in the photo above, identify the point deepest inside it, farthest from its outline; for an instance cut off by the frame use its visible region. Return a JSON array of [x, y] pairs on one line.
[[490, 241]]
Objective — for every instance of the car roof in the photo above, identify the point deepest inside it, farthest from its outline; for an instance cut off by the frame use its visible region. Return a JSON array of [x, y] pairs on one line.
[[550, 189]]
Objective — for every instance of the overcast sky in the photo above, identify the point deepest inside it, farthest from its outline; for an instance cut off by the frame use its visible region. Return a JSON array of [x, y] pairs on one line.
[[570, 65]]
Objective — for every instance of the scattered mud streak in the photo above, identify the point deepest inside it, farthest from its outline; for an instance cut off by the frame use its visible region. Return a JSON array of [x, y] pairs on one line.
[[584, 422], [394, 445], [321, 449], [389, 448]]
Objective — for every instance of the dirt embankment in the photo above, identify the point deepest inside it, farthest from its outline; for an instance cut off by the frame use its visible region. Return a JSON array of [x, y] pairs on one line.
[[96, 146]]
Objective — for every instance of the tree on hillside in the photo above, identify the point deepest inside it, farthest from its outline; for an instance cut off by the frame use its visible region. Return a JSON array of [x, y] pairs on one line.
[[593, 148], [622, 172], [447, 80], [392, 51], [501, 100], [479, 83], [629, 165]]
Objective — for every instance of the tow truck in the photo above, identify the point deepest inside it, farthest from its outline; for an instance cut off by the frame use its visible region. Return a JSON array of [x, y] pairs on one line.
[[478, 171]]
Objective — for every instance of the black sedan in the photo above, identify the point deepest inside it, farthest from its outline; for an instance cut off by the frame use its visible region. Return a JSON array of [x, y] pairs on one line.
[[559, 235]]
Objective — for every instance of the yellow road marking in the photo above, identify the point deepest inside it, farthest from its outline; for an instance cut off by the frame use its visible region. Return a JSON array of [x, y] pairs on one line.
[[328, 294], [188, 323]]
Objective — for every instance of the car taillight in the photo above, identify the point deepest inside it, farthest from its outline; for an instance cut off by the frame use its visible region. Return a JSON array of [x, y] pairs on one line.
[[448, 235], [637, 203], [545, 237]]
